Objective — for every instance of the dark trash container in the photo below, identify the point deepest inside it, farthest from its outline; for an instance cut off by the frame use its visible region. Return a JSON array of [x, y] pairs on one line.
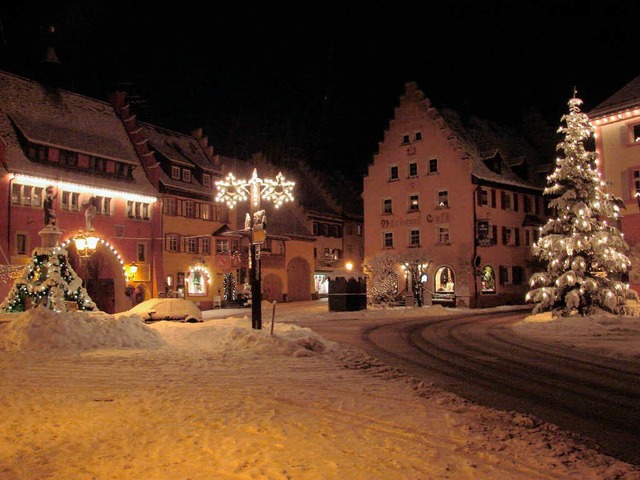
[[347, 294]]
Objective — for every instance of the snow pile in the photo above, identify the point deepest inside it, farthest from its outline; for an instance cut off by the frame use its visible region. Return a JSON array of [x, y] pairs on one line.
[[605, 334], [43, 329], [236, 335]]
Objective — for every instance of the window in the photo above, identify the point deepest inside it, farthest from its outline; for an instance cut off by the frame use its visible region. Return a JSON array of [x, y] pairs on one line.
[[26, 195], [444, 280], [387, 240], [170, 205], [488, 278], [142, 257], [443, 235], [414, 203], [636, 133], [517, 275], [21, 244], [418, 136], [189, 209], [387, 206], [71, 201], [393, 173], [504, 275], [172, 242], [414, 238], [191, 244], [103, 205], [505, 201], [137, 210], [175, 172], [186, 175], [206, 179], [483, 197], [511, 236], [196, 283], [405, 139], [205, 245], [443, 199], [222, 246], [413, 169], [527, 203], [433, 166]]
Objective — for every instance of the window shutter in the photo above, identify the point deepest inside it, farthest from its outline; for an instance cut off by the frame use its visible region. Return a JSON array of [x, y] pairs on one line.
[[517, 234], [479, 196], [493, 198], [494, 233], [625, 183], [504, 235], [515, 202], [502, 200]]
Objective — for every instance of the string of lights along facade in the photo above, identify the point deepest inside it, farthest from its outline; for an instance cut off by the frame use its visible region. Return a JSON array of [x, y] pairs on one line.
[[461, 189]]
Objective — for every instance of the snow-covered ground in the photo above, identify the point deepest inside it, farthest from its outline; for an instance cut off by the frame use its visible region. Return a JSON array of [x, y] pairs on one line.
[[93, 396]]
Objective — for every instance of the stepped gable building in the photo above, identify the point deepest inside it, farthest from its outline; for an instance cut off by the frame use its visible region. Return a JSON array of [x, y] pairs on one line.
[[79, 146], [286, 256], [616, 121], [459, 189]]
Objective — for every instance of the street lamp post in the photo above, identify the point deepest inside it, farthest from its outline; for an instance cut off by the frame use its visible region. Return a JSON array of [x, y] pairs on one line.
[[231, 191]]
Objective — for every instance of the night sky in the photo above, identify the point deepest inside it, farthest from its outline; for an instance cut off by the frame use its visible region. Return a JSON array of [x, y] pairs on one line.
[[320, 82]]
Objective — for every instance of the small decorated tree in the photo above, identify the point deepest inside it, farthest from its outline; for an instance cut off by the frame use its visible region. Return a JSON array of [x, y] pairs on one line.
[[584, 255], [48, 280]]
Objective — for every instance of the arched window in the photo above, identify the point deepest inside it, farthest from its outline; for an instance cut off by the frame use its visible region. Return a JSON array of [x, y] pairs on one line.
[[444, 280], [488, 277]]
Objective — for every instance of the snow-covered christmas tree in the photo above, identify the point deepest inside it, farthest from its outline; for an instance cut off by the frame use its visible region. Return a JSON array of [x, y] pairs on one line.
[[584, 255], [48, 280]]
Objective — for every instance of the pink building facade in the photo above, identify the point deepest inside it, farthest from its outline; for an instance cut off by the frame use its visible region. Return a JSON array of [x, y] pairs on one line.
[[455, 188], [80, 147], [617, 132]]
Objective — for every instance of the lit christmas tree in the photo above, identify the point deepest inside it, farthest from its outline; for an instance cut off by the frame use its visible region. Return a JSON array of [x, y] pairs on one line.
[[582, 252], [48, 280]]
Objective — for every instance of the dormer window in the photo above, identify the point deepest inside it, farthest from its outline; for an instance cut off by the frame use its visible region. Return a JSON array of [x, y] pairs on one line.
[[186, 175], [175, 172], [206, 179]]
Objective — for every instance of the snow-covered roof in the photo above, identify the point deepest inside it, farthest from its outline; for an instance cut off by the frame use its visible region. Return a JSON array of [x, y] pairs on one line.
[[483, 140], [68, 121], [183, 150], [625, 98]]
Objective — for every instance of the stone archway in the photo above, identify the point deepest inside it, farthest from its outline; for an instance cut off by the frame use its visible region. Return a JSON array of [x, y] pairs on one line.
[[299, 280], [98, 276]]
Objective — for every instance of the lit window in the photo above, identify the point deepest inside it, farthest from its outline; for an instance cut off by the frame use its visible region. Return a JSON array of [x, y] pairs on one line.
[[443, 199], [444, 280], [414, 203], [636, 133], [488, 277]]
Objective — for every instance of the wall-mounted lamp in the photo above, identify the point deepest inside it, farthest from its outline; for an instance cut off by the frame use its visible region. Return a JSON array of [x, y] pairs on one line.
[[86, 245], [133, 268]]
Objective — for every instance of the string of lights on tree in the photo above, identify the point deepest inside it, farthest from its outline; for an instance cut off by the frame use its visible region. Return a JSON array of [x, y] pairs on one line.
[[581, 250], [48, 280]]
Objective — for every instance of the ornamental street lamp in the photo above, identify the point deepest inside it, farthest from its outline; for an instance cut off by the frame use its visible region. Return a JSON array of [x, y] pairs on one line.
[[231, 191]]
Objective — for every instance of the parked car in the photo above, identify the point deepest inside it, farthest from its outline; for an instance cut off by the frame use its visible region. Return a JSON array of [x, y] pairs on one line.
[[172, 309]]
